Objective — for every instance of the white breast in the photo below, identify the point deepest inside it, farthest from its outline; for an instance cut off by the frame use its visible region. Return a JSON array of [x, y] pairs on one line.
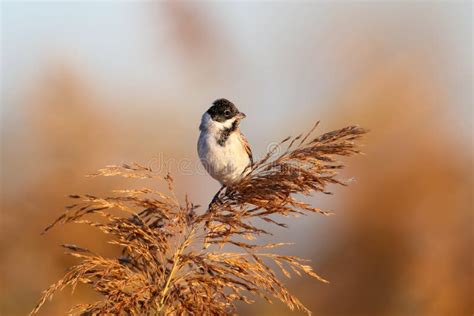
[[225, 163]]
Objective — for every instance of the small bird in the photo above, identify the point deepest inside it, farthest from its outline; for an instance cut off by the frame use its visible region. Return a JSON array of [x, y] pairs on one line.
[[222, 148]]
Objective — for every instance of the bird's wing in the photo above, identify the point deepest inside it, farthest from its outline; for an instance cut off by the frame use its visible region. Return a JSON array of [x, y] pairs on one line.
[[247, 148]]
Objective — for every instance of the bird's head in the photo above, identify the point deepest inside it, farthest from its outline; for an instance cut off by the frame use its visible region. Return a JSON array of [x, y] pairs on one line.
[[221, 115]]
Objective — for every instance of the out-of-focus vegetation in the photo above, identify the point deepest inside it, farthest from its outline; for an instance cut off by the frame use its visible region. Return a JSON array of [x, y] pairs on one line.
[[400, 242]]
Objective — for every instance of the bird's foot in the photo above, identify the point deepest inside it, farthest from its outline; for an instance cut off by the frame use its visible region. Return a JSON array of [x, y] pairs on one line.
[[216, 200]]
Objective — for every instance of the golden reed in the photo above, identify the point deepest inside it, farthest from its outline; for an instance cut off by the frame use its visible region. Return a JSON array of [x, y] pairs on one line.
[[173, 259]]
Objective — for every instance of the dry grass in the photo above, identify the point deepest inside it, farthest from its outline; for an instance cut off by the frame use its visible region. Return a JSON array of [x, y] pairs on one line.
[[173, 261]]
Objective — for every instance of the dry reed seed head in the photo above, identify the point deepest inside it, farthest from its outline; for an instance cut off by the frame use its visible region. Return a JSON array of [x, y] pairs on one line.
[[168, 265]]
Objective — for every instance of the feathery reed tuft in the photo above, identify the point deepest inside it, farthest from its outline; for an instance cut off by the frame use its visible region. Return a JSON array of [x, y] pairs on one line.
[[173, 260]]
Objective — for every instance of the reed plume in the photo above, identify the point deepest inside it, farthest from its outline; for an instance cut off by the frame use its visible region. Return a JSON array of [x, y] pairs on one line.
[[178, 260]]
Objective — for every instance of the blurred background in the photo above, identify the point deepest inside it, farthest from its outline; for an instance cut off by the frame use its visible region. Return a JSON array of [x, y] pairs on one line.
[[86, 84]]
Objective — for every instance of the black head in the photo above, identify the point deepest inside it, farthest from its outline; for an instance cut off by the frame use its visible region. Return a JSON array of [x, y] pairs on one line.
[[222, 110]]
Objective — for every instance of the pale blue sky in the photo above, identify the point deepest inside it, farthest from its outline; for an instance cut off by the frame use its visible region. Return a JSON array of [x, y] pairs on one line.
[[127, 47]]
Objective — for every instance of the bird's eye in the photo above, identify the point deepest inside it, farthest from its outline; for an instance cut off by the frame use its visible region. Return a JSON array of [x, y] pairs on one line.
[[227, 113]]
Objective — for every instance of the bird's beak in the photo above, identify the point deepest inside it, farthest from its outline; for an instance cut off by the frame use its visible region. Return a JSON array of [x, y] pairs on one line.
[[241, 116]]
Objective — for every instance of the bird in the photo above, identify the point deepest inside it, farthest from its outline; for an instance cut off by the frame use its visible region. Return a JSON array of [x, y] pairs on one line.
[[222, 148]]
